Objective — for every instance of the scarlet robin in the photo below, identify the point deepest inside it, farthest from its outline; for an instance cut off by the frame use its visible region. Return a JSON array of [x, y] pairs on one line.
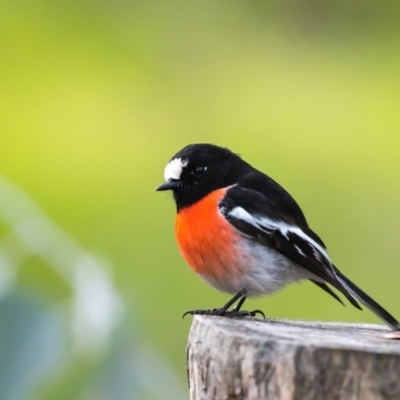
[[245, 235]]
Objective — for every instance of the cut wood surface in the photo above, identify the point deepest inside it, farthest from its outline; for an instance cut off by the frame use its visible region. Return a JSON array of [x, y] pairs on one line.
[[232, 359]]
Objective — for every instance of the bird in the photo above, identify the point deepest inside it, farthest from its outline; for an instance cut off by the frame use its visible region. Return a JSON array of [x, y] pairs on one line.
[[245, 235]]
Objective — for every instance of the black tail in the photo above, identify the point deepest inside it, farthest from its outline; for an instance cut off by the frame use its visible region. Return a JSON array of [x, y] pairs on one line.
[[361, 296]]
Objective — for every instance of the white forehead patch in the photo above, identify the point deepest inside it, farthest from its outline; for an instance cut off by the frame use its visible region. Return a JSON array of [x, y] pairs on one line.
[[174, 168]]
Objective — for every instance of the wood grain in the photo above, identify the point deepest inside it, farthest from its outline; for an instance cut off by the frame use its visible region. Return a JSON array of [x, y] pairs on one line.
[[279, 359]]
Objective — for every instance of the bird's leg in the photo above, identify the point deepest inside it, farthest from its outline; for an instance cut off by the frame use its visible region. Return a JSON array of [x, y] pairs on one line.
[[224, 311], [240, 303], [216, 311], [237, 313]]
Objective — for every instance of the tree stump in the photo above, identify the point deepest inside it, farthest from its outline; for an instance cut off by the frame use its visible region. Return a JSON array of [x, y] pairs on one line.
[[232, 359]]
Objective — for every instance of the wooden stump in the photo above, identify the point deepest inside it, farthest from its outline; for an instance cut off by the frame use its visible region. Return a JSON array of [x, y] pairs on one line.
[[231, 359]]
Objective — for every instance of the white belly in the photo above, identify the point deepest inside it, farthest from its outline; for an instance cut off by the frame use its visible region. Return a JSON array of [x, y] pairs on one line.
[[263, 271]]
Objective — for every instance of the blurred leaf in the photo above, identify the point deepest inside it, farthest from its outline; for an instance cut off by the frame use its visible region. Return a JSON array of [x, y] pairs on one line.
[[30, 344], [36, 275]]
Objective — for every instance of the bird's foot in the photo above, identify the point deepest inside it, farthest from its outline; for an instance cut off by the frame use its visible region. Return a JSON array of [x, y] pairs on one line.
[[222, 312], [215, 311], [240, 314]]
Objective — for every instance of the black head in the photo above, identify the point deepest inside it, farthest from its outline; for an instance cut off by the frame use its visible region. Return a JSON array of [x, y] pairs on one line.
[[199, 169]]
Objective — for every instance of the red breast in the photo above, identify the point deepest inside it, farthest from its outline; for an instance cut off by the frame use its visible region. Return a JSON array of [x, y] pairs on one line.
[[206, 239]]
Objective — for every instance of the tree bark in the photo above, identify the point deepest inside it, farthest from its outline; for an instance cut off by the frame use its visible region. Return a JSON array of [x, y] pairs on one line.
[[232, 359]]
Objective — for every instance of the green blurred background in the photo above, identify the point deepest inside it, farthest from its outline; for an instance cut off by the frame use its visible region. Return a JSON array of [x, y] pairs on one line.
[[97, 96]]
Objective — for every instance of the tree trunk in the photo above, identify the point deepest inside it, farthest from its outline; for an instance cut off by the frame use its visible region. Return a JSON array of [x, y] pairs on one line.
[[232, 359]]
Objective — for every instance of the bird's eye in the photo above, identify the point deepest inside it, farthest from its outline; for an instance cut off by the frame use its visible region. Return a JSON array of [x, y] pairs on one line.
[[198, 171]]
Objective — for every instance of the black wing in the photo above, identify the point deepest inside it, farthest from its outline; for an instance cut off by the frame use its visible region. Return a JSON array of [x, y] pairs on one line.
[[254, 214], [258, 191], [272, 218]]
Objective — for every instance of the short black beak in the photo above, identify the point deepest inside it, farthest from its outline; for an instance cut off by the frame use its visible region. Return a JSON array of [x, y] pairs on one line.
[[170, 185]]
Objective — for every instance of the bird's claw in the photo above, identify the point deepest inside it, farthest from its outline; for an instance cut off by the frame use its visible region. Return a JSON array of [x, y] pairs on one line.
[[220, 312], [255, 312], [215, 311], [241, 314]]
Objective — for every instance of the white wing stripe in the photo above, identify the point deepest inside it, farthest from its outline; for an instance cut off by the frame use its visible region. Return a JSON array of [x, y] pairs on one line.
[[261, 221]]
